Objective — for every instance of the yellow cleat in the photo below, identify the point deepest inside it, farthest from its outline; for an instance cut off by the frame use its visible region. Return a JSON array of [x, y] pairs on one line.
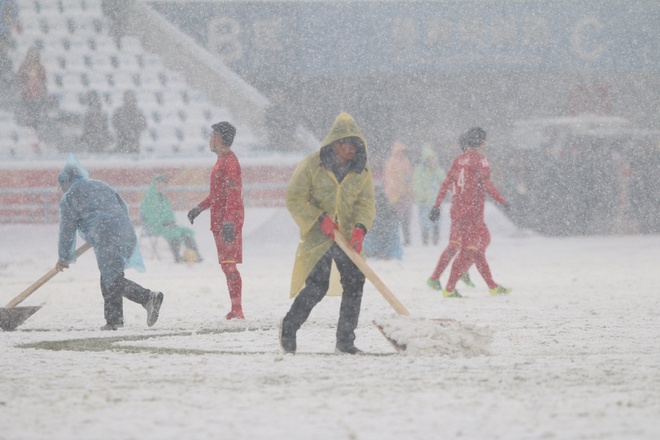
[[499, 290], [453, 294]]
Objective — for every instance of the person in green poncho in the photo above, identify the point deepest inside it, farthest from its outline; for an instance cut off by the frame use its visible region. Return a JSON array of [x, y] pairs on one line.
[[427, 176], [158, 218]]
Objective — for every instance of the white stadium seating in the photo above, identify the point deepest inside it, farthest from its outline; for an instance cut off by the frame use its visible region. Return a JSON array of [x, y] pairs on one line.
[[80, 55]]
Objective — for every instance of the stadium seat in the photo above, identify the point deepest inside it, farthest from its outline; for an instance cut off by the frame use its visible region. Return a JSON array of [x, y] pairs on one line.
[[69, 6], [91, 6], [79, 54], [130, 45]]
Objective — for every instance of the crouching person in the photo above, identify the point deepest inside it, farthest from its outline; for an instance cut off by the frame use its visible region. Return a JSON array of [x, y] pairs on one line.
[[158, 218], [330, 190], [98, 213]]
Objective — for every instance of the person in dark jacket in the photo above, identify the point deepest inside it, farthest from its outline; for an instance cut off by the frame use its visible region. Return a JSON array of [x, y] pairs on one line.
[[129, 124], [96, 133], [96, 211]]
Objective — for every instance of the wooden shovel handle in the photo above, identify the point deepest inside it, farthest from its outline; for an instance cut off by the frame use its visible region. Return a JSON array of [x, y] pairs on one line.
[[370, 274], [43, 280]]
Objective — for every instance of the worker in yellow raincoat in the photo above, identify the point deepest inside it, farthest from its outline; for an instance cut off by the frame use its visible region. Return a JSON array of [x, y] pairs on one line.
[[330, 190]]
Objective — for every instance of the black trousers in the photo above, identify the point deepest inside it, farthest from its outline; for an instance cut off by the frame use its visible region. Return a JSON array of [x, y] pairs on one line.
[[175, 245], [316, 286], [113, 306]]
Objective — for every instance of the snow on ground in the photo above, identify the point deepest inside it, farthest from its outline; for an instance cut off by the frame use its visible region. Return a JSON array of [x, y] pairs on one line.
[[573, 351]]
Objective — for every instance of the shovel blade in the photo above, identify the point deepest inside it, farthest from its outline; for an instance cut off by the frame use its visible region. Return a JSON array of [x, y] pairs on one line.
[[398, 347], [11, 318]]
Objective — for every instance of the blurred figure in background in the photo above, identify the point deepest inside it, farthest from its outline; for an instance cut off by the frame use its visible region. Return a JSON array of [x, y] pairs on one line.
[[9, 24], [158, 218], [384, 240], [115, 11], [428, 176], [129, 123], [397, 180], [279, 123], [33, 89], [96, 133]]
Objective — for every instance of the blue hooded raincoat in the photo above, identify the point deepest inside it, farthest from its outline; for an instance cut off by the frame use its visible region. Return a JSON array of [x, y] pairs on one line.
[[97, 212]]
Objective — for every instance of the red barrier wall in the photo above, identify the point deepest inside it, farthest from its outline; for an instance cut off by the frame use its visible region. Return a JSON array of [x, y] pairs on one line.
[[31, 196]]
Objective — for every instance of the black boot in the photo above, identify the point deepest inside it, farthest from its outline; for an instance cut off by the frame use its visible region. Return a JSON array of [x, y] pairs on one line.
[[347, 349], [175, 246], [287, 337]]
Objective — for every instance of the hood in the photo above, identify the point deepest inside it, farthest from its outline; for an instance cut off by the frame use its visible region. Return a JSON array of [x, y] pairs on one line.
[[344, 126], [158, 178], [71, 171], [152, 191]]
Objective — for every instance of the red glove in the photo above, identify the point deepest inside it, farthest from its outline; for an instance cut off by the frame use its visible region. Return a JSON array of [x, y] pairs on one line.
[[357, 238], [328, 226]]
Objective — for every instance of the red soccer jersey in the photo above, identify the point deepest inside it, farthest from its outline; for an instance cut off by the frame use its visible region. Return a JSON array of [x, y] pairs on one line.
[[226, 195], [469, 180]]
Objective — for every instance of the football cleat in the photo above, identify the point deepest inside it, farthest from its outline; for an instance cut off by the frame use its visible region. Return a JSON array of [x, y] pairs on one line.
[[454, 294], [499, 290]]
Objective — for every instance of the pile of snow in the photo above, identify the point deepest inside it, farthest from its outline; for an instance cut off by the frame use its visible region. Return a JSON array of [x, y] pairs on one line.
[[424, 336]]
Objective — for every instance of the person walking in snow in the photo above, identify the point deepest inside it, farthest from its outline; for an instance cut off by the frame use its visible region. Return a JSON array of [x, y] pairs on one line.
[[469, 180], [397, 182], [427, 176], [158, 219], [225, 201], [96, 211], [330, 190]]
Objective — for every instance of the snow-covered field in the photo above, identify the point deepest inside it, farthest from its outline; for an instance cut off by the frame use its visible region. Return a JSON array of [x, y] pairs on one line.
[[574, 354]]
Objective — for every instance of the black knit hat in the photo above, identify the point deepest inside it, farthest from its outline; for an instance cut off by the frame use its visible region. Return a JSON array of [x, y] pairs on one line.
[[226, 130]]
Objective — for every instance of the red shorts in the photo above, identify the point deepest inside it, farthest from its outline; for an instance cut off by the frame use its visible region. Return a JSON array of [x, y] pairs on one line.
[[229, 252], [469, 234]]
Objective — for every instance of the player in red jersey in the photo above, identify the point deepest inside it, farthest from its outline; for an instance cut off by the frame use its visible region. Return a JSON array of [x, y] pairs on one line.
[[227, 212], [469, 180]]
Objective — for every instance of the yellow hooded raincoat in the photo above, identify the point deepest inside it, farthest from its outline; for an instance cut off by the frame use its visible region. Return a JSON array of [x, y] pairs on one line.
[[314, 189]]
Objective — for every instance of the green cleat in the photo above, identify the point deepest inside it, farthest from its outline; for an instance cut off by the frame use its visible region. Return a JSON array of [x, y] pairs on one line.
[[499, 290], [434, 284], [466, 279], [453, 294]]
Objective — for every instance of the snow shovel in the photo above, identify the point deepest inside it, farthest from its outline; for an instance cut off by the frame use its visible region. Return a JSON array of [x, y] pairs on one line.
[[12, 316], [370, 274], [378, 284]]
